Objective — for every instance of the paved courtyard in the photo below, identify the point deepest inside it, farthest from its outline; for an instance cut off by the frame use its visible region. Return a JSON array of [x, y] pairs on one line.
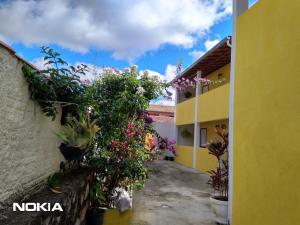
[[173, 195]]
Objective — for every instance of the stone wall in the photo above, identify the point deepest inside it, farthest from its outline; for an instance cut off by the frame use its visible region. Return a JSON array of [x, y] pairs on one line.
[[28, 146], [74, 201]]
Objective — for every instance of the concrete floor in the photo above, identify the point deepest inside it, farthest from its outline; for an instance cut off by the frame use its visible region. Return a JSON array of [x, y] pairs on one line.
[[173, 195]]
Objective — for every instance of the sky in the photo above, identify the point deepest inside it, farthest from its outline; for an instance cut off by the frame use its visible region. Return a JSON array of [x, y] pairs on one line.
[[154, 35]]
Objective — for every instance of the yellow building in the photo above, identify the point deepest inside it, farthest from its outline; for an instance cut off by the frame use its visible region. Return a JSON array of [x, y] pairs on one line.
[[264, 151], [202, 107]]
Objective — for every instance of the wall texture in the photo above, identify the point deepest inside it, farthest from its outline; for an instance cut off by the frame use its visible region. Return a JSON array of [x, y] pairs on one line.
[[185, 112], [184, 155], [74, 200], [205, 161], [214, 105], [267, 115], [165, 129], [224, 73], [28, 146]]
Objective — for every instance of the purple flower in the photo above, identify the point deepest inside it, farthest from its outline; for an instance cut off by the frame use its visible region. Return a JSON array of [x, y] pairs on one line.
[[148, 119]]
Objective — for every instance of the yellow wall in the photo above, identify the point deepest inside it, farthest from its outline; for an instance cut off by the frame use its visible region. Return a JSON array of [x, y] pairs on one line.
[[205, 161], [267, 115], [214, 105], [185, 112], [225, 71], [184, 155]]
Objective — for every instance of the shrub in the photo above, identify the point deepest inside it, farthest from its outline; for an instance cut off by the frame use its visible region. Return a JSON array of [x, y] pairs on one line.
[[219, 176]]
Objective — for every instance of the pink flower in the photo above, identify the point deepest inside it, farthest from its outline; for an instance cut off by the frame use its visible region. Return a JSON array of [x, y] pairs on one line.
[[172, 142], [86, 81]]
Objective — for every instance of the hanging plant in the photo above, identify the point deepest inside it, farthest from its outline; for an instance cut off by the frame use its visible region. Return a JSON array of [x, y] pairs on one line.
[[188, 94], [186, 134]]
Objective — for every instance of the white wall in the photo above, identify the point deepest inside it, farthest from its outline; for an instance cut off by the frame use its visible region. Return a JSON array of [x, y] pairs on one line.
[[165, 129], [28, 146]]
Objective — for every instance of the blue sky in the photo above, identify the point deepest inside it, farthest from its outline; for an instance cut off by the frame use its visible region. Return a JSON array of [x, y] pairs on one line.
[[154, 35], [156, 60]]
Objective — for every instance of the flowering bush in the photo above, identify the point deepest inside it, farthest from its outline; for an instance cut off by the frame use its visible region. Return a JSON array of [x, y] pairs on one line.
[[166, 144], [119, 102], [219, 176]]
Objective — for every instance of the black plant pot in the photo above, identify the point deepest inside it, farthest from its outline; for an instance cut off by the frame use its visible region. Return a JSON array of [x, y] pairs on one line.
[[71, 153], [171, 158], [166, 158], [95, 216]]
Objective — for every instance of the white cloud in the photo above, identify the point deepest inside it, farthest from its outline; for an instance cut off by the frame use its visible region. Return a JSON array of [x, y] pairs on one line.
[[196, 54], [210, 44], [92, 71], [169, 75], [128, 28], [170, 72], [39, 63], [90, 74]]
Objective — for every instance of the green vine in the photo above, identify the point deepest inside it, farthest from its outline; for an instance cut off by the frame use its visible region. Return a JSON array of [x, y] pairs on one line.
[[58, 84]]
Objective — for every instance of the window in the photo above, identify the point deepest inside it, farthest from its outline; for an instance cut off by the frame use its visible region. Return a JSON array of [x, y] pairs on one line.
[[203, 137], [205, 88]]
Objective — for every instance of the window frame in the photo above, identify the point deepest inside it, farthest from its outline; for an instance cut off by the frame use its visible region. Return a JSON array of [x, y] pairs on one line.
[[200, 141]]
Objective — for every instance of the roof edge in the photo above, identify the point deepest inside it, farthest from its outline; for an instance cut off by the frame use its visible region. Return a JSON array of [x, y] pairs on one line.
[[224, 40]]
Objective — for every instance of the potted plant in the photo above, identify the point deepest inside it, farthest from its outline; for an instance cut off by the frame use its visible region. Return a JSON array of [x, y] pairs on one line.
[[186, 134], [77, 135], [188, 94], [219, 176]]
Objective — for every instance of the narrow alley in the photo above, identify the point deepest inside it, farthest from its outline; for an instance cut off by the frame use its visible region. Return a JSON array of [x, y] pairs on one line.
[[173, 195]]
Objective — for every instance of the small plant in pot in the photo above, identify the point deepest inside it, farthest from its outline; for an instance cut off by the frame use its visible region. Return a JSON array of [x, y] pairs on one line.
[[219, 176], [77, 135], [188, 94]]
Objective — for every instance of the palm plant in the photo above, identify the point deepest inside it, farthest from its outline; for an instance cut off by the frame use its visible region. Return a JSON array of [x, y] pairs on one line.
[[78, 133]]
